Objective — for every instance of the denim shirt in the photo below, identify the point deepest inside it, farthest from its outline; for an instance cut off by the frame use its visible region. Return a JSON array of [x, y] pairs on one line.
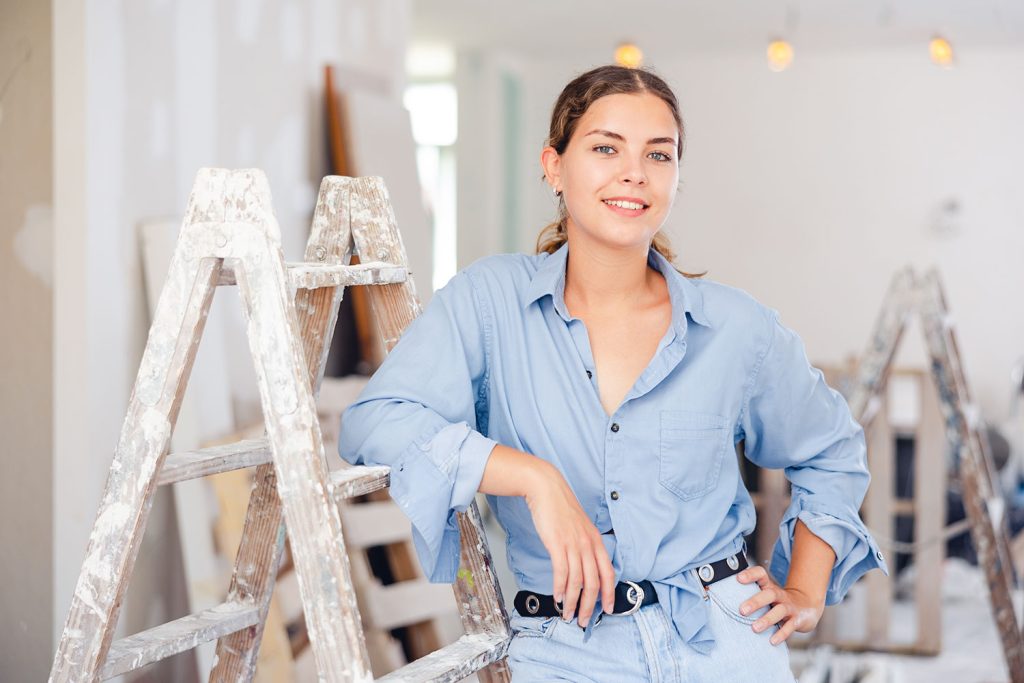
[[497, 358]]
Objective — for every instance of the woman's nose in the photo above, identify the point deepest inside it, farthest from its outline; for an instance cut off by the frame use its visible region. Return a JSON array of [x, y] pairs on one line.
[[633, 173]]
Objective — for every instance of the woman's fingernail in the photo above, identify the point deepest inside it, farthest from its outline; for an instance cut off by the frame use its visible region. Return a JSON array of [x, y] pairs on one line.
[[744, 610]]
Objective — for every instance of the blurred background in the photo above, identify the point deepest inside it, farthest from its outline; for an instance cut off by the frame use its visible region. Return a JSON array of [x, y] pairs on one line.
[[828, 144]]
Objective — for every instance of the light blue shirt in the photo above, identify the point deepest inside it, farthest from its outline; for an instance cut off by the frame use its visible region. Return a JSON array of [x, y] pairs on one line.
[[497, 358]]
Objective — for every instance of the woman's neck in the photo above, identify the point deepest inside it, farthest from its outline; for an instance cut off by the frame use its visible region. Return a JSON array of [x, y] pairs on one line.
[[602, 278]]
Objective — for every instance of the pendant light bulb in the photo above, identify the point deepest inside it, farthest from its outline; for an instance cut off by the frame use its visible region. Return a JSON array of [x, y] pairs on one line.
[[629, 55], [941, 52], [780, 55]]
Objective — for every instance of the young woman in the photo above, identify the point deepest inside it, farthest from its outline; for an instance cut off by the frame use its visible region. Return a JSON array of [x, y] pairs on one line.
[[597, 395]]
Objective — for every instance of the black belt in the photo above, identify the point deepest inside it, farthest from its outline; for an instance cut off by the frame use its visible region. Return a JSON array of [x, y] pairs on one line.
[[716, 571], [530, 604]]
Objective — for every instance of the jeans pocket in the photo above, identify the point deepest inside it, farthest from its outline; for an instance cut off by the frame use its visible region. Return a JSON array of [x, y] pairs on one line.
[[728, 594], [692, 452], [532, 627]]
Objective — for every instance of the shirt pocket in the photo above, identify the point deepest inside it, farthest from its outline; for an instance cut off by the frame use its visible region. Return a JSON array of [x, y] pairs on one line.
[[692, 450]]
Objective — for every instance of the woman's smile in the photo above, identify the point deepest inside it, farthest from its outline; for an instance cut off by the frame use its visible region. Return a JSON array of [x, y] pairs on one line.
[[627, 206]]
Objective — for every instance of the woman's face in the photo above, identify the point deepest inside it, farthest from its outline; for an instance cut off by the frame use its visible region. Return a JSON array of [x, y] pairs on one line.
[[619, 172]]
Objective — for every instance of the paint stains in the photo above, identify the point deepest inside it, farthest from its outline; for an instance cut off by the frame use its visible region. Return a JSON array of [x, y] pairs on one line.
[[33, 243]]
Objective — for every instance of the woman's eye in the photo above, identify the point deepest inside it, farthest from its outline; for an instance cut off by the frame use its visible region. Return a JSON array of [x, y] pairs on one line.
[[604, 149], [661, 156]]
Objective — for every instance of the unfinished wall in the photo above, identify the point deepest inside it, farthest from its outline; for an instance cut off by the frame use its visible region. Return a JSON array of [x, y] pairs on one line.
[[26, 304], [808, 188]]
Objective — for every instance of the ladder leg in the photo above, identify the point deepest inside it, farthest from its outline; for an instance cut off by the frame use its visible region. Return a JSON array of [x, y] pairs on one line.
[[262, 544], [987, 533], [314, 525], [121, 519], [376, 237], [477, 591], [259, 556]]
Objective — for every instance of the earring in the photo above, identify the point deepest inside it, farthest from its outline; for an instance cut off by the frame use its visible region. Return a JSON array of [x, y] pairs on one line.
[[558, 193]]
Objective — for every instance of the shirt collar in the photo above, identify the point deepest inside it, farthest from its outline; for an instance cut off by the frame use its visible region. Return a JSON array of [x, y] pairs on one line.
[[550, 279]]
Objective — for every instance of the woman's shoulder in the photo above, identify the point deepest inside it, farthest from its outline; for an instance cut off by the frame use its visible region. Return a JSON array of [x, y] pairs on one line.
[[498, 275], [729, 306], [508, 266]]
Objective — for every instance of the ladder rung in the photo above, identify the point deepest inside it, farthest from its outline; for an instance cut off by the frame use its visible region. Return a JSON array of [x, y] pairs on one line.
[[408, 602], [206, 461], [349, 482], [152, 645], [304, 275], [379, 522], [468, 654]]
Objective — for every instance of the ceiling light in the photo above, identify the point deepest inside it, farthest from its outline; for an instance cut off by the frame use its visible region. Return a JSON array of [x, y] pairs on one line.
[[780, 55], [629, 56], [941, 52]]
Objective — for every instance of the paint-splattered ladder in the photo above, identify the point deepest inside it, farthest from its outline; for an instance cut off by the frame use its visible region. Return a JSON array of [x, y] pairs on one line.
[[230, 236], [910, 294]]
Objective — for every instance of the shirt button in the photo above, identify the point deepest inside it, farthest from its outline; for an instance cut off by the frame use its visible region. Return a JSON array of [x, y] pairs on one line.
[[615, 426], [590, 375], [615, 495]]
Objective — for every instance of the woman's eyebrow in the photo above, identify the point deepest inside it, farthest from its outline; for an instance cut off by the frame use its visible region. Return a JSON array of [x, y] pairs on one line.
[[616, 136]]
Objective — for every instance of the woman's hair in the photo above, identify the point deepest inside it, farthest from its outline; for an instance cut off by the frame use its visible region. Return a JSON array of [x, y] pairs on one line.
[[573, 103]]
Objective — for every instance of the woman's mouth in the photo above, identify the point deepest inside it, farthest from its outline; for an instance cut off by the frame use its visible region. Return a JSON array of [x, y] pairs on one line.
[[626, 207]]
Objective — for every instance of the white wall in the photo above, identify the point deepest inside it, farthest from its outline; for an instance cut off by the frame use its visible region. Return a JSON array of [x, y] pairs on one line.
[[808, 188], [26, 307], [146, 93]]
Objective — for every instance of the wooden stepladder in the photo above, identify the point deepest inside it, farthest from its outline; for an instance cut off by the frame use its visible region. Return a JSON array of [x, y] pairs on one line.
[[229, 236], [908, 294]]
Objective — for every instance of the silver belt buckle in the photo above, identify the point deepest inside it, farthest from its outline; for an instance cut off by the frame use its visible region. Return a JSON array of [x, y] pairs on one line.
[[635, 591]]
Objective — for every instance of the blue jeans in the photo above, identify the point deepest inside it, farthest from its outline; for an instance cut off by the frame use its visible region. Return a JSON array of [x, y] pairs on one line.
[[644, 647]]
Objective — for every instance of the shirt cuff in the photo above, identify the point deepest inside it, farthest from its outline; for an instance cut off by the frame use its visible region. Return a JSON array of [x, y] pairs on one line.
[[855, 549], [433, 480]]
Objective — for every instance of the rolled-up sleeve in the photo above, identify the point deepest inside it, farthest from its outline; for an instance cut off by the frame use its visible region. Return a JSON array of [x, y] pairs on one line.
[[793, 421], [421, 413]]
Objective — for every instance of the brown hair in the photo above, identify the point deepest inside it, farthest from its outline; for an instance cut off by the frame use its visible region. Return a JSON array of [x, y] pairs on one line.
[[570, 106]]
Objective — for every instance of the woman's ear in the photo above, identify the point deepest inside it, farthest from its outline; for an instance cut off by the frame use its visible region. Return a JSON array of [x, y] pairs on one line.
[[550, 161]]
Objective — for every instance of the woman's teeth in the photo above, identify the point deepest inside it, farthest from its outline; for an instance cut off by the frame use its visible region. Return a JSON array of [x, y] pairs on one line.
[[624, 204]]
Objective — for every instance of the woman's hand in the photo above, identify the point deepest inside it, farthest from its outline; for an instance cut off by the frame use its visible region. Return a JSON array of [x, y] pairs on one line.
[[578, 557], [797, 610]]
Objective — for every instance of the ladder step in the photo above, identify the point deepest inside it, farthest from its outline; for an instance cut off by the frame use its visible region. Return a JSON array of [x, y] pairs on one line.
[[451, 663], [349, 482], [152, 645], [214, 460], [408, 602], [378, 522], [304, 275]]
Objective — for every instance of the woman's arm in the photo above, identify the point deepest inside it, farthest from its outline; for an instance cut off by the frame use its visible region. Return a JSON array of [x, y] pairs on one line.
[[792, 420], [802, 602], [579, 560], [811, 567]]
